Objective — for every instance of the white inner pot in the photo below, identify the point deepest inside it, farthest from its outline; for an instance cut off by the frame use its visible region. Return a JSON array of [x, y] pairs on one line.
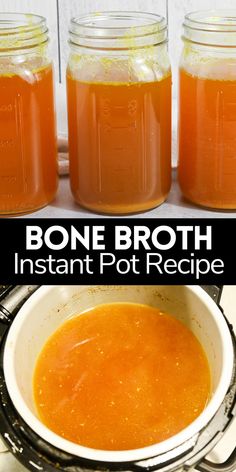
[[50, 306]]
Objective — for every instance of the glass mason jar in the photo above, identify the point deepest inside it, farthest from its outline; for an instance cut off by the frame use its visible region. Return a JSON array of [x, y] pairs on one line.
[[119, 111], [28, 155], [207, 109]]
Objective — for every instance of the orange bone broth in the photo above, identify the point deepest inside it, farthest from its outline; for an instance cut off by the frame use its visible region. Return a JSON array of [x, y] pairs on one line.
[[28, 159], [119, 144], [207, 140], [121, 376]]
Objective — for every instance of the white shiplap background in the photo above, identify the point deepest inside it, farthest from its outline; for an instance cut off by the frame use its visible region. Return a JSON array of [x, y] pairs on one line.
[[59, 12]]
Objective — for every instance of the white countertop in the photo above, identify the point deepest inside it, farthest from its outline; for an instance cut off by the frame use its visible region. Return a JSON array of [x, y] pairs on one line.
[[224, 447], [174, 207]]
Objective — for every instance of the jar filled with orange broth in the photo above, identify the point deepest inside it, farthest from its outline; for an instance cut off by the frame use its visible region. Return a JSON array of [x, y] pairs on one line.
[[119, 111], [207, 109], [28, 156]]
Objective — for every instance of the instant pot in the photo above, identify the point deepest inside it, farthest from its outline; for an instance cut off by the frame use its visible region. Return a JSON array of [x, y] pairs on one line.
[[29, 314]]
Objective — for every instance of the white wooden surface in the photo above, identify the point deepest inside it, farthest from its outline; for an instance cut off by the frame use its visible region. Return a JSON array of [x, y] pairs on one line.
[[177, 9], [174, 207], [59, 12], [46, 8], [72, 8]]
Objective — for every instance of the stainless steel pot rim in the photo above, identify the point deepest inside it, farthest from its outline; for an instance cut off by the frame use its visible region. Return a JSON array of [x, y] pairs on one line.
[[116, 456]]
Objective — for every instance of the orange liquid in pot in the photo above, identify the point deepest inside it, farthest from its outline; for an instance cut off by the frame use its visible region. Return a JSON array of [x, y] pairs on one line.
[[28, 156], [121, 376], [207, 141], [119, 144]]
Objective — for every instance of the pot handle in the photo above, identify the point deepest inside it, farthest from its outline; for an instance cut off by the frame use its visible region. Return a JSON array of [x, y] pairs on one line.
[[215, 292], [11, 299], [228, 466]]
